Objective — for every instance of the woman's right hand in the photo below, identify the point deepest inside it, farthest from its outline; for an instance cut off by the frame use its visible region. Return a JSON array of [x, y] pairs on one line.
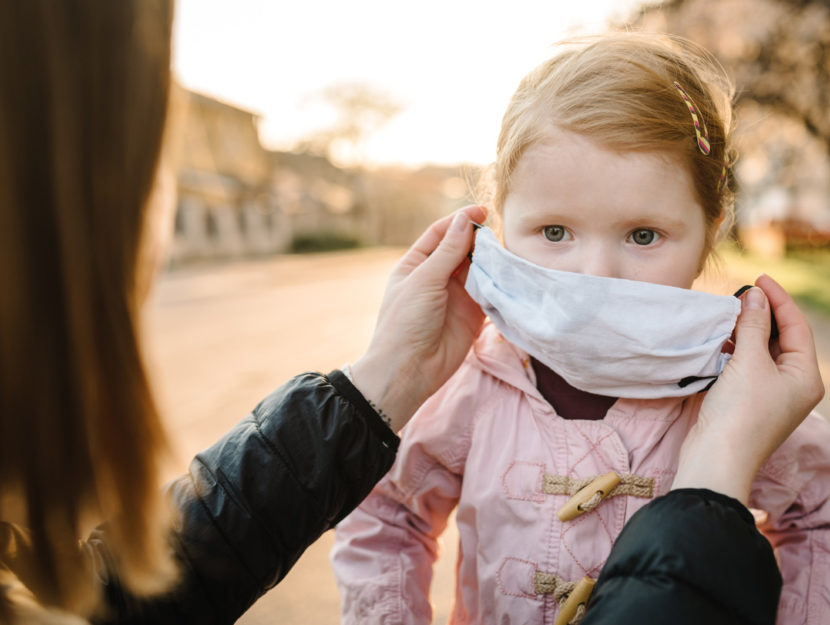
[[765, 391], [426, 323]]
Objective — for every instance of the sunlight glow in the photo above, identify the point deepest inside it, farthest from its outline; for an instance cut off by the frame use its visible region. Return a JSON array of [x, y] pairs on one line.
[[452, 64]]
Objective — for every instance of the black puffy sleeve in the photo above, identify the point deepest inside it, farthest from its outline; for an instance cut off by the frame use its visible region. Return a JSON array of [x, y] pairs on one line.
[[692, 556], [254, 501]]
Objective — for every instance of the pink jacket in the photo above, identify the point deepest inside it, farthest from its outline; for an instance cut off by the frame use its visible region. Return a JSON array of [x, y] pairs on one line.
[[489, 445]]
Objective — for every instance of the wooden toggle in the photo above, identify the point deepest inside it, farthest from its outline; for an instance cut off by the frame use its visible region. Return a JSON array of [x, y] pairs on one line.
[[578, 597], [601, 486]]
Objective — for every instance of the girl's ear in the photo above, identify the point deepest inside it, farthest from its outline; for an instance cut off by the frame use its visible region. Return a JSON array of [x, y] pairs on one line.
[[718, 222]]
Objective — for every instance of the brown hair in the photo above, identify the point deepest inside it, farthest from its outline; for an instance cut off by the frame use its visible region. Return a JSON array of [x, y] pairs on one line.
[[618, 90], [84, 98]]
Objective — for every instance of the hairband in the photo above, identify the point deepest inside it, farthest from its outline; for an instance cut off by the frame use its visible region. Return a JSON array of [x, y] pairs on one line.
[[702, 138]]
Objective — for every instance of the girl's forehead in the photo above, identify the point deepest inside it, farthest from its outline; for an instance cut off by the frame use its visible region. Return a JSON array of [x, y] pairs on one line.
[[571, 181], [558, 148], [568, 170]]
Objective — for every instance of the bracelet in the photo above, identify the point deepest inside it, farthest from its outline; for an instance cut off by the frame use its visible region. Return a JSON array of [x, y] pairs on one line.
[[347, 371], [381, 414]]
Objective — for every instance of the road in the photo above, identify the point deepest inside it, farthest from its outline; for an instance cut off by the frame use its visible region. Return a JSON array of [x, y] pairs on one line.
[[219, 338]]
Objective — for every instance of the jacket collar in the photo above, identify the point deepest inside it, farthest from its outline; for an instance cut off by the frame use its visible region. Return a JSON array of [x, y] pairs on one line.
[[506, 362]]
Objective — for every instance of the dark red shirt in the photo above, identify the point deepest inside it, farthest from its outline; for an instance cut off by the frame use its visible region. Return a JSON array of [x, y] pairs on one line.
[[569, 402]]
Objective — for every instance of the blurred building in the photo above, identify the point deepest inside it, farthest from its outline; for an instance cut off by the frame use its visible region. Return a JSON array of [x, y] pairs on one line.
[[320, 199], [237, 199]]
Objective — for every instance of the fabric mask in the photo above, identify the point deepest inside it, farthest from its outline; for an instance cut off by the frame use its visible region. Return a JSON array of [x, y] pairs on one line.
[[609, 336]]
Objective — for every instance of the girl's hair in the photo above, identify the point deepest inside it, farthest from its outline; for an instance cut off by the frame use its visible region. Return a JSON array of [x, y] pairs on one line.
[[618, 89], [82, 110]]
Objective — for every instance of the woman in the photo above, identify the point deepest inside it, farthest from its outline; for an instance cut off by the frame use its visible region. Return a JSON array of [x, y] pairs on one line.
[[82, 109], [82, 112]]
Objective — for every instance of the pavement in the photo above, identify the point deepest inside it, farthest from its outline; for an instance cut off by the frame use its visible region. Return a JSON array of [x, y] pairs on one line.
[[221, 337]]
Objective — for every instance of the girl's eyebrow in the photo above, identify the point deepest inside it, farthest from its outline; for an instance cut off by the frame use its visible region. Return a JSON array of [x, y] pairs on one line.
[[548, 216], [653, 218], [647, 219]]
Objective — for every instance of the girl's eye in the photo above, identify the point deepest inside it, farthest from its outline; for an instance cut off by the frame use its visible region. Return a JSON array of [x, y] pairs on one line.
[[644, 237], [554, 233]]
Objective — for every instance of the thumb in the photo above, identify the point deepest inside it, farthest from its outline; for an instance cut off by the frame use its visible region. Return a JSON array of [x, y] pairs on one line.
[[753, 328], [451, 251]]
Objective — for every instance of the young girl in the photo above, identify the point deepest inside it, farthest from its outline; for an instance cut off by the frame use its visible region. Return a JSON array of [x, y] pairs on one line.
[[612, 180]]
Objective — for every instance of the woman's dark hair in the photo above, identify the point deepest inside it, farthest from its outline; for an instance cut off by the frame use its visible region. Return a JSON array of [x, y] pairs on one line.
[[83, 99]]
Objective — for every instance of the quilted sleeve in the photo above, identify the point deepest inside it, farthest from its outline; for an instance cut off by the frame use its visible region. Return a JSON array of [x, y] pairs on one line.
[[691, 556], [253, 501]]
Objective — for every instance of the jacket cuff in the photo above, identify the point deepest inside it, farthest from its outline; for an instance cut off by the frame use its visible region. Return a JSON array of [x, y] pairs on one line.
[[711, 496], [348, 390]]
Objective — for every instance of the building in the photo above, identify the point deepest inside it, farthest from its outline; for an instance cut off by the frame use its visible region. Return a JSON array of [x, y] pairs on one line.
[[237, 199]]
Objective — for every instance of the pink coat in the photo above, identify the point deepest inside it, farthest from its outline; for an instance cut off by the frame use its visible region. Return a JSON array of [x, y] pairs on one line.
[[490, 446]]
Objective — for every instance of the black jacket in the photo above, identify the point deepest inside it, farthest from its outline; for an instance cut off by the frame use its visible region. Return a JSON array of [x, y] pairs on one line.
[[313, 449], [692, 556], [254, 501]]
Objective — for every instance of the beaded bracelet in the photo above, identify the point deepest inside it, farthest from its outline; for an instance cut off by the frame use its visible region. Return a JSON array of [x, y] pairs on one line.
[[347, 371]]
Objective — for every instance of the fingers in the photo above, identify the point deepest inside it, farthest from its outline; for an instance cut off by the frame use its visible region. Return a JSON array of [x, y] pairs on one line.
[[794, 330], [429, 241], [451, 251], [797, 350], [753, 328]]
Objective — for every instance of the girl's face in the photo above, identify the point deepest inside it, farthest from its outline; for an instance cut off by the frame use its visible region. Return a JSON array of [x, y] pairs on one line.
[[576, 206]]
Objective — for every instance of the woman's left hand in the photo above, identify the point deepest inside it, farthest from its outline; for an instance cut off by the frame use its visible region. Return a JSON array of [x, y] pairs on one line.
[[765, 391]]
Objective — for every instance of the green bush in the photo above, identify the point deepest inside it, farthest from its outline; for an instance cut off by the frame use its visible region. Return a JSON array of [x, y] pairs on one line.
[[805, 273], [323, 242]]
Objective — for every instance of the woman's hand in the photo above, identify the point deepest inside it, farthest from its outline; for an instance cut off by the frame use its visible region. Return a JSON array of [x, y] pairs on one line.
[[426, 323], [765, 391]]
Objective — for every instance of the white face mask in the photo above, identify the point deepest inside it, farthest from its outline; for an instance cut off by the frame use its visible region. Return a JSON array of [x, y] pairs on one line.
[[613, 337]]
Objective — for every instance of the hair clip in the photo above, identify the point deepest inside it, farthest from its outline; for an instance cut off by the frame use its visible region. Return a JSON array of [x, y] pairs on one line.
[[702, 139]]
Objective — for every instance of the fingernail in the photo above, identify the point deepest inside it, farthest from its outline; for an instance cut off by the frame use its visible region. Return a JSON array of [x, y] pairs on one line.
[[755, 299], [459, 222]]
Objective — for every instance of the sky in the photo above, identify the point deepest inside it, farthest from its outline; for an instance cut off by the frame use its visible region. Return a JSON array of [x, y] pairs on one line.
[[451, 64]]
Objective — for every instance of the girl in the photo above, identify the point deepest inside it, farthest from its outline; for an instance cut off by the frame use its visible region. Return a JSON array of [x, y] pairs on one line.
[[613, 177]]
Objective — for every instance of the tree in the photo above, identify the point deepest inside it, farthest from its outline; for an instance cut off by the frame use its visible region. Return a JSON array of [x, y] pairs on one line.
[[778, 52], [359, 111]]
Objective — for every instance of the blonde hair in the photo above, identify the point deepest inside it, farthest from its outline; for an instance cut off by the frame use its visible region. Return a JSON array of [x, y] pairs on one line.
[[618, 89], [82, 113]]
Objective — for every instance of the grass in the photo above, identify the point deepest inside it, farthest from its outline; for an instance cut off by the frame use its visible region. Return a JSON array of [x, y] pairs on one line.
[[805, 274]]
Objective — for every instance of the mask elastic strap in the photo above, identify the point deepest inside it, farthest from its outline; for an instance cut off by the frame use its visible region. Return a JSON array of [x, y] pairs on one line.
[[475, 227], [694, 378]]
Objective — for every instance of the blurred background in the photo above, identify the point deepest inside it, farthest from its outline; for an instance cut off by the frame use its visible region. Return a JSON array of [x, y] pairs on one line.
[[310, 142]]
